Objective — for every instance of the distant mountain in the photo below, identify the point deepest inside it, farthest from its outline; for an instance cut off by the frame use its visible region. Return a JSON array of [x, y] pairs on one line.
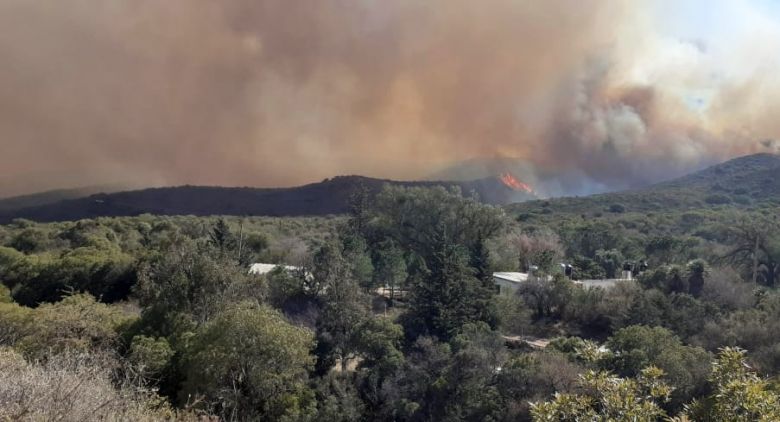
[[742, 182], [330, 196], [52, 196], [546, 181]]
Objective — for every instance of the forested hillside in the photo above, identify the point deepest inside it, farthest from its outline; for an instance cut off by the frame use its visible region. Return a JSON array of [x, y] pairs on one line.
[[328, 197], [162, 318], [746, 182]]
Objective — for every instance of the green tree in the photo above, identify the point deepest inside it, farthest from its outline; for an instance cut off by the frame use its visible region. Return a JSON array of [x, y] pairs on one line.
[[755, 246], [344, 308], [76, 324], [611, 261], [637, 347], [337, 399], [547, 299], [612, 399], [445, 234], [541, 249], [696, 272], [30, 240], [150, 356], [390, 270], [16, 323], [221, 237], [250, 363], [189, 281], [739, 394]]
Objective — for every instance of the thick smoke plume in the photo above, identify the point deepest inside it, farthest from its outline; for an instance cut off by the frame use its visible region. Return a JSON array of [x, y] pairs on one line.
[[590, 95]]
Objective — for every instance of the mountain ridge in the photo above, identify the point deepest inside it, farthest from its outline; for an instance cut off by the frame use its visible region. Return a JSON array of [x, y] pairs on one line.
[[742, 182], [330, 196]]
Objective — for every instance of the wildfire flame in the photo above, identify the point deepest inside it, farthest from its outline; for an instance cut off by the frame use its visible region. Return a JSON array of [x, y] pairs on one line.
[[512, 183]]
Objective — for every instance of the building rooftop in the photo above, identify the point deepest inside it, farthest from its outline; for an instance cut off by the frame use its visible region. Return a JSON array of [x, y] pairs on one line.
[[511, 277], [259, 268]]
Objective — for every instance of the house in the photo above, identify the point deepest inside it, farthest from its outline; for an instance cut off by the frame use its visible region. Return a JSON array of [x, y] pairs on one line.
[[260, 269], [604, 284], [509, 282]]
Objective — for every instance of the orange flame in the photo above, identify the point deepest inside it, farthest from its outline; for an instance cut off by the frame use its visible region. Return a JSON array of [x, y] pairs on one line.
[[512, 183]]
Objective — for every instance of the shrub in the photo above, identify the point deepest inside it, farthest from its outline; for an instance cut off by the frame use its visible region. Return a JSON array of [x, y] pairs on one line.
[[74, 387], [717, 199], [617, 208]]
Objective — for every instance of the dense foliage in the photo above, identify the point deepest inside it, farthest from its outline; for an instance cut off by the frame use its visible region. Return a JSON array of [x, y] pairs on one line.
[[392, 313]]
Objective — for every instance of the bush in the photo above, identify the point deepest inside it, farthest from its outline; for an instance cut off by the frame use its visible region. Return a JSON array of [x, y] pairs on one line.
[[149, 356], [250, 363], [617, 208], [74, 387], [717, 199], [76, 324]]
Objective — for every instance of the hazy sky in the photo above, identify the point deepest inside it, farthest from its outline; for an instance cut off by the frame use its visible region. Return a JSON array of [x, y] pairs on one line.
[[283, 92]]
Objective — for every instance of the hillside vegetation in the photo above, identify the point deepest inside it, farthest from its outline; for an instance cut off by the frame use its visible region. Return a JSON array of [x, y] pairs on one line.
[[748, 182], [159, 315], [328, 197]]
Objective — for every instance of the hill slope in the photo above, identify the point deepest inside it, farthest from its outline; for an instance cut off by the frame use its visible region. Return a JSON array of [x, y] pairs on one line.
[[743, 182], [52, 196], [330, 196]]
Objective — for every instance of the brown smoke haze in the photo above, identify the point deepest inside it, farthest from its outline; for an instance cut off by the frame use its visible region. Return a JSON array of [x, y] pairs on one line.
[[589, 95]]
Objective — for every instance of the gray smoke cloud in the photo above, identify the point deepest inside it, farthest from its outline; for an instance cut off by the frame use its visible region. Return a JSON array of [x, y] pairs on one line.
[[588, 95]]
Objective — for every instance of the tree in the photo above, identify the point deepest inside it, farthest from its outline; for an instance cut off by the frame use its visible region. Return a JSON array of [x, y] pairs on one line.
[[449, 382], [221, 237], [30, 240], [189, 280], [149, 356], [107, 274], [390, 270], [590, 237], [611, 261], [611, 399], [541, 249], [250, 363], [756, 245], [444, 294], [444, 234], [667, 278], [338, 399], [360, 209], [355, 251], [587, 269], [696, 271], [686, 368], [414, 391], [662, 249], [547, 299], [75, 324], [16, 323], [76, 387], [739, 394], [344, 307]]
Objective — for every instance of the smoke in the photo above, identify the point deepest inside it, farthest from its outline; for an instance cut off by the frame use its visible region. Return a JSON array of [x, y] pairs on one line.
[[589, 95]]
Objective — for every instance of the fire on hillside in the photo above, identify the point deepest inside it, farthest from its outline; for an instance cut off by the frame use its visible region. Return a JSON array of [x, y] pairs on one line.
[[511, 182]]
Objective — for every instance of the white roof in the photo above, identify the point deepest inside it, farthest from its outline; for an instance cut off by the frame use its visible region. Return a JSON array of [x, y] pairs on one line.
[[267, 268], [511, 277], [604, 284]]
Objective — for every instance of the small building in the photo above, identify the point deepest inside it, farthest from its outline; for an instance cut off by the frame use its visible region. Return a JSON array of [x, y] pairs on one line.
[[509, 282], [260, 269], [604, 284]]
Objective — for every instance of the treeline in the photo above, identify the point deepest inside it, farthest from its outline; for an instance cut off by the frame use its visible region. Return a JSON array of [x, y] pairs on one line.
[[163, 315]]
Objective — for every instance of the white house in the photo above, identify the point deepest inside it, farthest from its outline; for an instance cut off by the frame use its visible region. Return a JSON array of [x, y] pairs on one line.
[[259, 269], [509, 282]]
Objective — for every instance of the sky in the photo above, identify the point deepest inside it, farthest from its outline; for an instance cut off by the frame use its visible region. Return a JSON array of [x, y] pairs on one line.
[[581, 96]]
